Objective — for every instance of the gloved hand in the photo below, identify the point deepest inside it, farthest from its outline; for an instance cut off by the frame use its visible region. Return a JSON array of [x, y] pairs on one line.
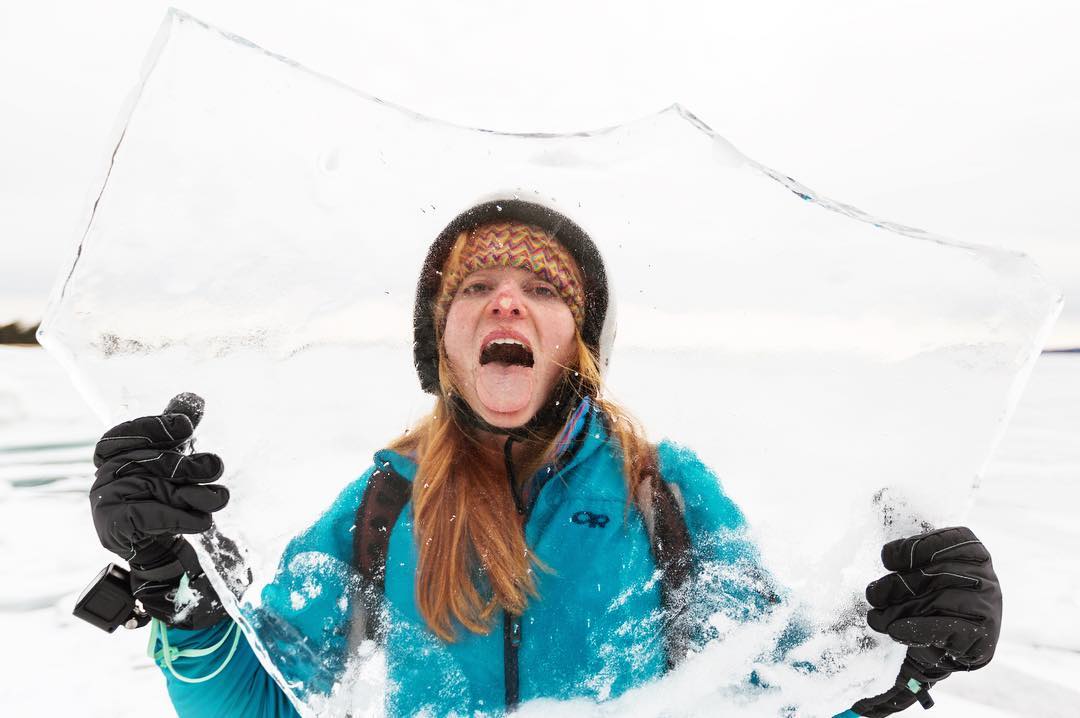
[[147, 493], [943, 600]]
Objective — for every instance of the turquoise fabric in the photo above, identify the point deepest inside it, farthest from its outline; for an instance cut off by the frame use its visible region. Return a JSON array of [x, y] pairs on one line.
[[594, 631], [243, 688]]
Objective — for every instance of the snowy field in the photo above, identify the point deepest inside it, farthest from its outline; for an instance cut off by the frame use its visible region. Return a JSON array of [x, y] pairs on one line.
[[53, 664]]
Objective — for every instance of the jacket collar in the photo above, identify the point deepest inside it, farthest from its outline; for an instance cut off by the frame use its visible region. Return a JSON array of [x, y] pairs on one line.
[[583, 433]]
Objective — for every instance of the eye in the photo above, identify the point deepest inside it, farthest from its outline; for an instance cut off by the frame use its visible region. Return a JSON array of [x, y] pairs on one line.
[[477, 287], [544, 290]]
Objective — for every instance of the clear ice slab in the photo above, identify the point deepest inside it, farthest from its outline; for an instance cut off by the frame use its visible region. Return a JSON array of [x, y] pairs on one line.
[[257, 238]]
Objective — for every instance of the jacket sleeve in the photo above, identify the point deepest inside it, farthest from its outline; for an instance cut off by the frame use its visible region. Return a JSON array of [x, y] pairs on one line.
[[303, 620], [242, 688]]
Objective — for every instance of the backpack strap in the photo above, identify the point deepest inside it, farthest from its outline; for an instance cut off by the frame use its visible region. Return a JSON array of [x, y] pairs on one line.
[[662, 511], [385, 496]]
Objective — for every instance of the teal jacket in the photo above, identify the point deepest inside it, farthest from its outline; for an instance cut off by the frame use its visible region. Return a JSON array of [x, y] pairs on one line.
[[594, 631]]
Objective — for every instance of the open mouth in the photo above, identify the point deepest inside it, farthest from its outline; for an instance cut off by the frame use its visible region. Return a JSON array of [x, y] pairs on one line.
[[508, 352]]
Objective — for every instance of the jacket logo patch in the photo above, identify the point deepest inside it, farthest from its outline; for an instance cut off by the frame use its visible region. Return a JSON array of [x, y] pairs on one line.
[[590, 519]]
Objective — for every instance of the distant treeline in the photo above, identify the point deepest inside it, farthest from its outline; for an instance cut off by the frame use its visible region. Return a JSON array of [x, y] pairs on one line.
[[18, 334], [21, 334]]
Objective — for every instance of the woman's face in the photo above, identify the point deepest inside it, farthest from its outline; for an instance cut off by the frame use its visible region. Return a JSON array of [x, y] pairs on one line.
[[508, 335]]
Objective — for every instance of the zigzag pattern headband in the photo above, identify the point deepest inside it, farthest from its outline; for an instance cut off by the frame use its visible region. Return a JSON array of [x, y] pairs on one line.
[[512, 244]]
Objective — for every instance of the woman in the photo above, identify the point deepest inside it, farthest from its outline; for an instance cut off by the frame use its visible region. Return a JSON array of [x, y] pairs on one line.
[[528, 520]]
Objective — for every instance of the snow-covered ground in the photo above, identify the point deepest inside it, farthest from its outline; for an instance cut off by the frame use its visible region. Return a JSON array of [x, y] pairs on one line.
[[53, 664]]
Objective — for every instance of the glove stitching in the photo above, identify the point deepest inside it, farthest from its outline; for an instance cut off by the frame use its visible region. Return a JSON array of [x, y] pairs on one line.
[[164, 428], [137, 461], [911, 561], [146, 585], [905, 584], [947, 573], [962, 543], [131, 541]]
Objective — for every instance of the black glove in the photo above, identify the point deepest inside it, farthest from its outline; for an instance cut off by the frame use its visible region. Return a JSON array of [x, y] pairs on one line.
[[147, 492], [943, 600]]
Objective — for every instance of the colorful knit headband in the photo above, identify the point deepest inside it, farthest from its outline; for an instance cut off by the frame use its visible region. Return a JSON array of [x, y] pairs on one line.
[[512, 244]]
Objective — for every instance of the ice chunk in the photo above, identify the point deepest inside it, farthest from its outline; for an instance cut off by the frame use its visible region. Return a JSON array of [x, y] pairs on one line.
[[257, 240]]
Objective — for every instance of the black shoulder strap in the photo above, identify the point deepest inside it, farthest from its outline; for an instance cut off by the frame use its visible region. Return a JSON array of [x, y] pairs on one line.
[[385, 496], [672, 550]]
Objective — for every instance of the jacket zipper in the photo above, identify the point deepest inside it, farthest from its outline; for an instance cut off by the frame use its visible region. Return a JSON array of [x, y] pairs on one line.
[[511, 623], [511, 646]]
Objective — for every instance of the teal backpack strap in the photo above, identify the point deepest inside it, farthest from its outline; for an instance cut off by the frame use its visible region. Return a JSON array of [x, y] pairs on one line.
[[662, 511], [384, 497]]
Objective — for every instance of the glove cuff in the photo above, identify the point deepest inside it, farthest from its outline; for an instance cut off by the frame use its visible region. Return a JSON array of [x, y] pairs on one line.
[[165, 572], [913, 683], [914, 667], [176, 591]]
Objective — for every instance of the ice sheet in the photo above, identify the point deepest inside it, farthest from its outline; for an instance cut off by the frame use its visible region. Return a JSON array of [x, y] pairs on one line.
[[257, 240]]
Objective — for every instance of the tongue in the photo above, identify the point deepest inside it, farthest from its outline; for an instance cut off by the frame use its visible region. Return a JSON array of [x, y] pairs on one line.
[[504, 388]]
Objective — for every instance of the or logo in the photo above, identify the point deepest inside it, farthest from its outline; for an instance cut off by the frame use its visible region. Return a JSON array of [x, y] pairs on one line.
[[590, 519]]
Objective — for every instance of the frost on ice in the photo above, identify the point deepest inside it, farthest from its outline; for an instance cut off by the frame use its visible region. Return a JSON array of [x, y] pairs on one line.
[[257, 239]]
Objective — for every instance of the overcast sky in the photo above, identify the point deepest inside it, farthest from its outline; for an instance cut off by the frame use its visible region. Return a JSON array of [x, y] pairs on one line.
[[957, 117]]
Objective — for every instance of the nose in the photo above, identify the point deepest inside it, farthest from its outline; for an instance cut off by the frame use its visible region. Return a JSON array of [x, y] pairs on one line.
[[507, 302]]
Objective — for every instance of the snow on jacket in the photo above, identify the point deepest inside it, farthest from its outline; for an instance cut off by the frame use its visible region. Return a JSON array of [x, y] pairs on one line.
[[594, 631]]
